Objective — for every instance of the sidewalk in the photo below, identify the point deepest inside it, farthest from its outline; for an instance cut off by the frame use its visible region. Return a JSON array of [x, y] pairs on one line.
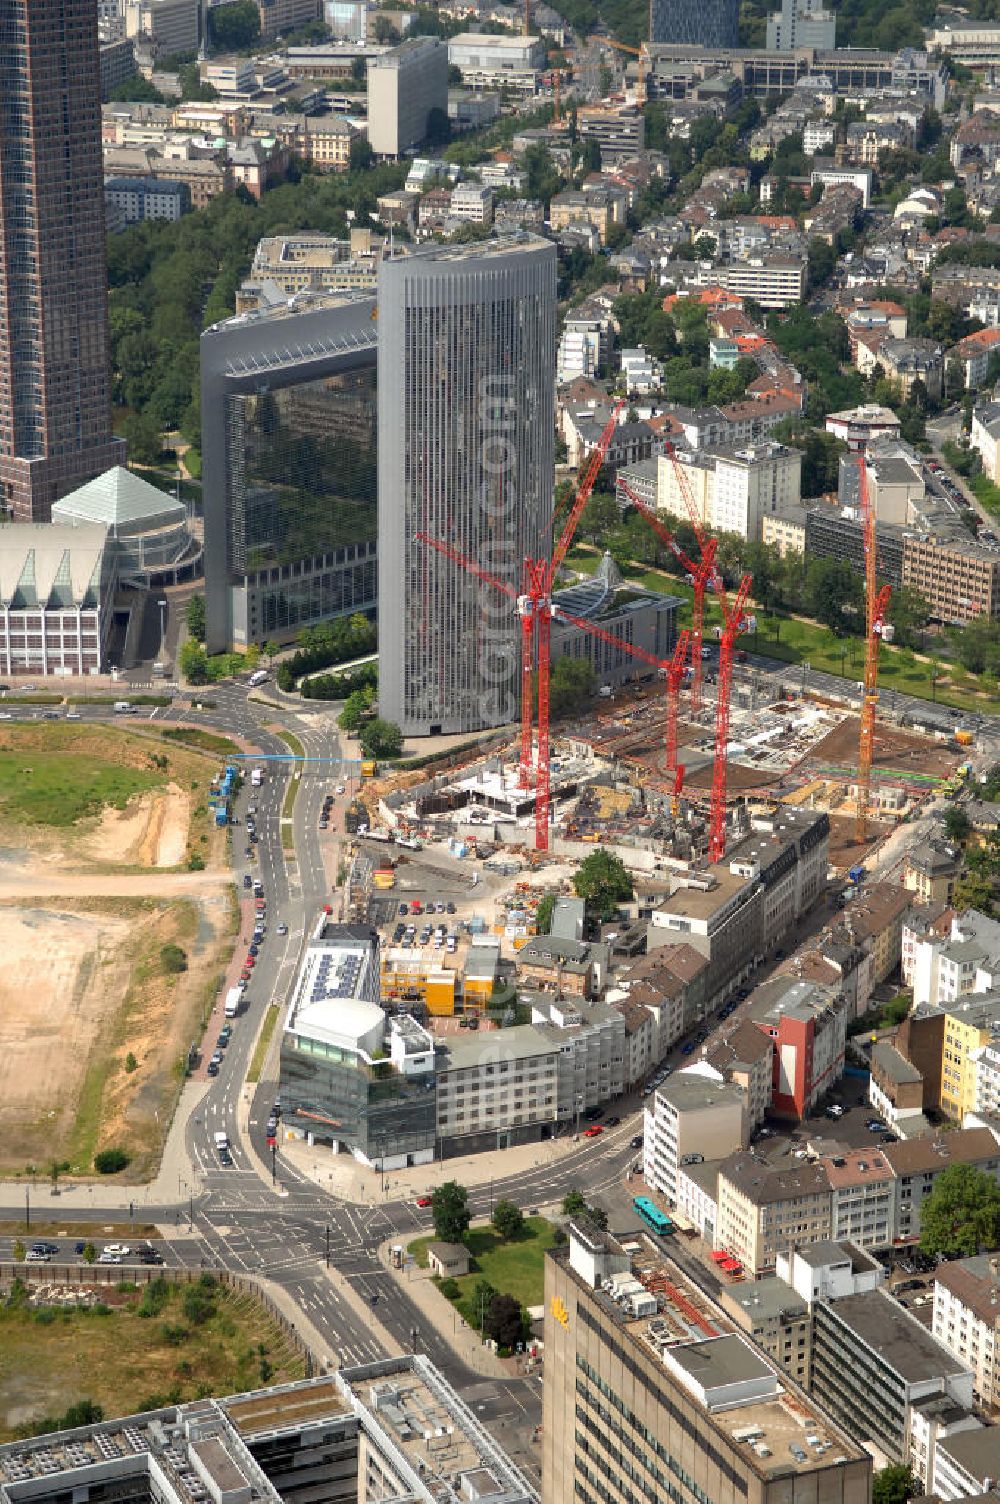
[[174, 1181], [342, 1176], [441, 1314]]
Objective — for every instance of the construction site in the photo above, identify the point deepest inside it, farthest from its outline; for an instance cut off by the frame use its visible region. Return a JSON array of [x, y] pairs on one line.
[[669, 767]]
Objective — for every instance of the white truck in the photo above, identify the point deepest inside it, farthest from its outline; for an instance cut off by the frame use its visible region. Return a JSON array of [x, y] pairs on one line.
[[256, 777], [233, 999]]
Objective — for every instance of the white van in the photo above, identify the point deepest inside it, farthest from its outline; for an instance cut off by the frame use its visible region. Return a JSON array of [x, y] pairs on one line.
[[221, 1140]]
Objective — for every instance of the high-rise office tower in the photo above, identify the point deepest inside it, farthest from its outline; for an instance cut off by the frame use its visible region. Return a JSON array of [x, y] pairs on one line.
[[55, 405], [288, 442], [467, 344], [801, 23], [694, 23]]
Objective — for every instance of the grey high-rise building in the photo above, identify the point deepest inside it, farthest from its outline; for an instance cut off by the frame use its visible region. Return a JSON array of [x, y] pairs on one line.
[[801, 23], [288, 399], [404, 85], [55, 401], [466, 438], [695, 23]]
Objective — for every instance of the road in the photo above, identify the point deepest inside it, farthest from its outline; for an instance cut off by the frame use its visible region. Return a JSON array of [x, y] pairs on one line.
[[232, 1217]]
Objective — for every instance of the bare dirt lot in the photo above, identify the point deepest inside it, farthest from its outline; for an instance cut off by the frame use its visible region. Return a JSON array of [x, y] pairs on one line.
[[99, 827], [895, 750], [93, 1023]]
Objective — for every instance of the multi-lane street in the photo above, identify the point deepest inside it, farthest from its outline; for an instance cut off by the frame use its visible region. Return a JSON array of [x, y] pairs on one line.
[[313, 1244]]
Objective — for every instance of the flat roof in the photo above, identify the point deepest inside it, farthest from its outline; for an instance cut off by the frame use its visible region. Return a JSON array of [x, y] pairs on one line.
[[975, 1452], [898, 1338], [718, 1361], [764, 1298]]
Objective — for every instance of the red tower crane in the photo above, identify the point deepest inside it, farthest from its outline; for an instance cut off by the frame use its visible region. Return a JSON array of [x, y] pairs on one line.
[[534, 607], [876, 606], [735, 618], [673, 668], [678, 785], [675, 678], [701, 576]]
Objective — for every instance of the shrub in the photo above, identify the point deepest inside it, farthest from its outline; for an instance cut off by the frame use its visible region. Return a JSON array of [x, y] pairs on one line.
[[131, 1064], [173, 959], [110, 1161], [450, 1289]]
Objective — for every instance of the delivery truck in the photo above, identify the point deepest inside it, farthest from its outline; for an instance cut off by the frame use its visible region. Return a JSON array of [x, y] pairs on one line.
[[233, 999]]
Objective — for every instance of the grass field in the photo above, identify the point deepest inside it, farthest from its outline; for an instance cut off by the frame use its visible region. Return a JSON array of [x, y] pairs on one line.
[[263, 1040], [158, 1345], [515, 1267], [60, 788], [205, 741], [805, 642]]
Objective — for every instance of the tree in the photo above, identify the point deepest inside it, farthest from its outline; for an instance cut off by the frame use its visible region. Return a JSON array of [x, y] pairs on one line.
[[194, 615], [909, 614], [18, 1252], [232, 27], [602, 880], [571, 686], [355, 710], [543, 914], [956, 823], [143, 437], [962, 1212], [136, 89], [507, 1219], [893, 1485], [574, 1202], [834, 595], [505, 1321], [89, 1254], [110, 1161], [381, 738], [194, 663], [450, 1211]]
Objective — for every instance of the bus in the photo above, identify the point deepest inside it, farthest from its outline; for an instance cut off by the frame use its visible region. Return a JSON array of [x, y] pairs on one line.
[[652, 1216]]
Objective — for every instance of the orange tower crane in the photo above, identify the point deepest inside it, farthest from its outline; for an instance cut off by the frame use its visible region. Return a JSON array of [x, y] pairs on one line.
[[736, 619], [876, 606], [701, 576], [642, 53]]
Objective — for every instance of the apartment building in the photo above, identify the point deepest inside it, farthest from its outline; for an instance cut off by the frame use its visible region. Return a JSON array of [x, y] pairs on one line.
[[720, 915], [602, 209], [139, 199], [875, 918], [873, 1362], [967, 1462], [916, 1164], [573, 968], [635, 1406], [171, 25], [862, 1198], [806, 1024], [785, 530], [690, 1116], [763, 1211], [967, 1319], [789, 852], [745, 1056], [752, 483], [968, 1026], [861, 426], [671, 983], [773, 281], [924, 921], [684, 473], [985, 437], [585, 344], [986, 1062], [829, 175], [777, 1319], [493, 1092], [931, 870], [896, 1087], [488, 61], [472, 202]]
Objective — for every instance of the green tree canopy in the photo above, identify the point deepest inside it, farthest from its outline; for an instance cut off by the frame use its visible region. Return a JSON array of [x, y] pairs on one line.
[[195, 617], [234, 26], [602, 880], [543, 914], [506, 1322], [507, 1219], [893, 1485], [450, 1211], [381, 738], [962, 1212]]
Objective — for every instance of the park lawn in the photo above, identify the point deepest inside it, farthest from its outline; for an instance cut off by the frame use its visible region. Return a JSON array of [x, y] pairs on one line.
[[53, 1357], [796, 641], [515, 1267], [61, 787]]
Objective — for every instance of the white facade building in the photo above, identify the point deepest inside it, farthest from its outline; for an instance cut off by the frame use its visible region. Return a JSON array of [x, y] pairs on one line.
[[690, 1116]]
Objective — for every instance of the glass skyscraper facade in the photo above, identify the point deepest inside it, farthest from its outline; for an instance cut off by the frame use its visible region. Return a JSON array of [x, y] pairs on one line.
[[289, 418], [466, 436], [695, 23], [55, 395]]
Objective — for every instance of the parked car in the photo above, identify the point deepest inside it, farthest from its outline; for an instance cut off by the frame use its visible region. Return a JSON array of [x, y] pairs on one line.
[[122, 1249], [593, 1130], [637, 1141], [424, 1201]]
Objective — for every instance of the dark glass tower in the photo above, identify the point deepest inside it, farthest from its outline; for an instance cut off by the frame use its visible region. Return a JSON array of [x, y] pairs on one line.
[[55, 406], [694, 23]]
